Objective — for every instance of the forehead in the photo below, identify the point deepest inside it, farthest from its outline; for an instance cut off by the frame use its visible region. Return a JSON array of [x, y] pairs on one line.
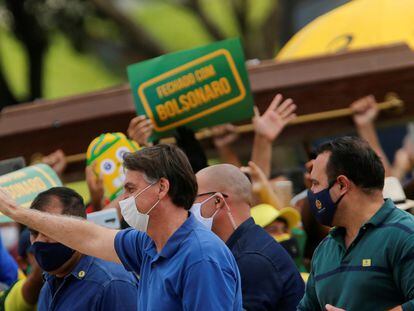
[[54, 206], [319, 165], [134, 177]]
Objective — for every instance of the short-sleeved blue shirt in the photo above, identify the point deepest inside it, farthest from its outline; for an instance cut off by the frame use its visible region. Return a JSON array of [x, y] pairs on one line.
[[94, 284], [194, 271]]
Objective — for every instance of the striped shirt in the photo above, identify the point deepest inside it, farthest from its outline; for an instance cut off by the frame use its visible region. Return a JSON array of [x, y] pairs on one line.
[[376, 272]]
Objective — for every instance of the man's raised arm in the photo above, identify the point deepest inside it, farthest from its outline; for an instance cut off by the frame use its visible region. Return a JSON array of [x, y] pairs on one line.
[[78, 234]]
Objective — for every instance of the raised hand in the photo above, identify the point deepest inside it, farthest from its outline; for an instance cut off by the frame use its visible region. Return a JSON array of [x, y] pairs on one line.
[[261, 185], [276, 117], [140, 129], [57, 161], [224, 135], [258, 177], [95, 185]]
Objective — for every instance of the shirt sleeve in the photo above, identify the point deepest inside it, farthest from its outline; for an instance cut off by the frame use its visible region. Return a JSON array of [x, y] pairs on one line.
[[310, 300], [208, 287], [129, 244], [262, 287], [403, 271], [119, 295]]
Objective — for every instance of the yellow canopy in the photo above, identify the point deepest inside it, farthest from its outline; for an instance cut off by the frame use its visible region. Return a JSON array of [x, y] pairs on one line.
[[355, 25]]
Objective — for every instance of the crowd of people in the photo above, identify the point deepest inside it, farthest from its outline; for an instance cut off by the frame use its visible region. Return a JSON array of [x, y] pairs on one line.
[[221, 236]]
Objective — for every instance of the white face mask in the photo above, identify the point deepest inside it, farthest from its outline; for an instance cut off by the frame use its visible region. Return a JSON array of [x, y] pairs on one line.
[[196, 211], [132, 215]]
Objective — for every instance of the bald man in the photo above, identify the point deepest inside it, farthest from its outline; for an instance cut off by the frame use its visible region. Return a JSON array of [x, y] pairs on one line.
[[270, 280]]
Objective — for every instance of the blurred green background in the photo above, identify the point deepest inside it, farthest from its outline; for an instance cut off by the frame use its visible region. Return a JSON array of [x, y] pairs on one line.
[[87, 48]]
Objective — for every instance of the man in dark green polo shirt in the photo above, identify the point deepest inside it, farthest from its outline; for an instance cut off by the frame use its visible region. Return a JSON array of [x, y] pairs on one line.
[[367, 260]]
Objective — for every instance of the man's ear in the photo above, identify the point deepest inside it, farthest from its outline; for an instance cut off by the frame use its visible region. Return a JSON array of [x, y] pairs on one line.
[[164, 187], [344, 183], [219, 200]]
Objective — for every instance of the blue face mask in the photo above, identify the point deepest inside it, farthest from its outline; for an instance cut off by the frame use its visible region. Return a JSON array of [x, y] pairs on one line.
[[322, 206], [51, 256]]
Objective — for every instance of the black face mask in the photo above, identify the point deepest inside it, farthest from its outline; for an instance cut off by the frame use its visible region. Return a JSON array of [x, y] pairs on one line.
[[322, 206], [51, 256]]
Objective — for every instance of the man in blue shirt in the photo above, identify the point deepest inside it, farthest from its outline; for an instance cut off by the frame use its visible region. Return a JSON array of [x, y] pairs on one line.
[[74, 281], [181, 265], [270, 279]]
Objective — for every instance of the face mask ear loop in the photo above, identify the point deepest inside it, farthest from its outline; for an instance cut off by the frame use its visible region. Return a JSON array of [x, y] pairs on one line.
[[135, 196], [215, 213], [149, 211], [233, 223], [206, 200], [331, 184]]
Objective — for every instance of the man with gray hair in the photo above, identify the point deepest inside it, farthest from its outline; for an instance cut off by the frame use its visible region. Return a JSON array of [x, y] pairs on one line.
[[269, 277], [182, 266]]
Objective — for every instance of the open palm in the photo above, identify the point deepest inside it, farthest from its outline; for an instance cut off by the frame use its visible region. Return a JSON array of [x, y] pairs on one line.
[[276, 117]]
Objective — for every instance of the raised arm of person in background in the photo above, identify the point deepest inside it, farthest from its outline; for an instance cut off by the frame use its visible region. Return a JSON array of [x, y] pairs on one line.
[[223, 137], [268, 127], [78, 234], [24, 294], [365, 113], [186, 140], [33, 284], [261, 186], [57, 161], [95, 186], [402, 164], [404, 160], [140, 129]]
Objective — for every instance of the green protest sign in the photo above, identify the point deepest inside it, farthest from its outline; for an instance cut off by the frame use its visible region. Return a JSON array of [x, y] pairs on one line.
[[25, 184], [197, 88]]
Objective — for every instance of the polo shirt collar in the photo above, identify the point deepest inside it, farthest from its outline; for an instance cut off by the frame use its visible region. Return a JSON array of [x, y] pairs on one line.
[[82, 268], [336, 231], [174, 242], [382, 214], [79, 272], [239, 232], [378, 219]]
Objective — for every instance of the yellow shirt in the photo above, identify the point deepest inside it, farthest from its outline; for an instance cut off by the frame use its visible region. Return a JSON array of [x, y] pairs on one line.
[[15, 301]]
